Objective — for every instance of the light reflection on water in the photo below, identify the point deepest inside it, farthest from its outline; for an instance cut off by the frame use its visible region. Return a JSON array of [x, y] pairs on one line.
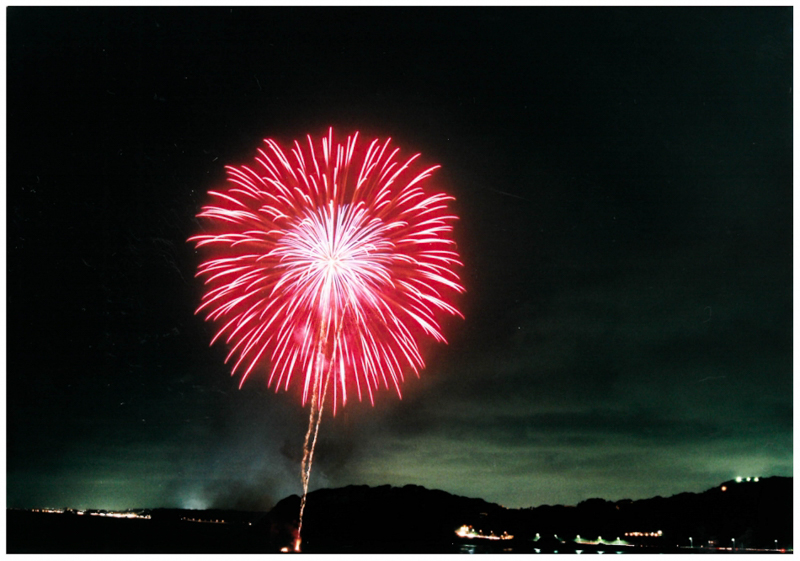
[[471, 548]]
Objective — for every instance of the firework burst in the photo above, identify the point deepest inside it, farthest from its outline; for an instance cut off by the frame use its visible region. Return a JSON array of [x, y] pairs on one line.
[[330, 262]]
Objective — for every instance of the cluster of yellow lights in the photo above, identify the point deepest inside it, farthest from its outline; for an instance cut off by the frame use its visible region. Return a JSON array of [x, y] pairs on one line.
[[643, 534], [204, 521], [468, 532], [740, 479], [95, 513], [117, 514]]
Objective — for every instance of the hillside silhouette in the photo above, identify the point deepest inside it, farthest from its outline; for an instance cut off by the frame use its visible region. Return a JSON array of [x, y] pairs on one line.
[[413, 519]]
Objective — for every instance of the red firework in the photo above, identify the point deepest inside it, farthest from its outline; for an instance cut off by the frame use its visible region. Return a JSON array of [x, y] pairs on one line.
[[331, 261]]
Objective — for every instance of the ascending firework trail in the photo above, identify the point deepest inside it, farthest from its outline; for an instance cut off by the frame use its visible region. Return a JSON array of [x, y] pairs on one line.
[[330, 263]]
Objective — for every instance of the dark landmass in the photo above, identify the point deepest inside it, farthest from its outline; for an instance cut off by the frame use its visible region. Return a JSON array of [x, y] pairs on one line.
[[412, 519]]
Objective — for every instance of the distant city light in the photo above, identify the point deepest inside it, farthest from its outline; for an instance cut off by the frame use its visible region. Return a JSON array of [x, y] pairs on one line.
[[656, 534], [108, 514], [738, 480], [724, 488], [202, 520], [468, 532]]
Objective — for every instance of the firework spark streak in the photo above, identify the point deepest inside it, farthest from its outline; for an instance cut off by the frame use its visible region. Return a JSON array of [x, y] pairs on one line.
[[330, 262], [314, 419]]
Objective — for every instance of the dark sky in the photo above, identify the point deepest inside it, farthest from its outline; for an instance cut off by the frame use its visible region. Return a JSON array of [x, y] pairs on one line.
[[624, 184]]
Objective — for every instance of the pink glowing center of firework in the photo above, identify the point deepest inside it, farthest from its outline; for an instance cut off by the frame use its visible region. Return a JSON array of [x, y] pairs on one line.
[[330, 264]]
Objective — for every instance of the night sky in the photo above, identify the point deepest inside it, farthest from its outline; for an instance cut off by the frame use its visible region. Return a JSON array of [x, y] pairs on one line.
[[624, 184]]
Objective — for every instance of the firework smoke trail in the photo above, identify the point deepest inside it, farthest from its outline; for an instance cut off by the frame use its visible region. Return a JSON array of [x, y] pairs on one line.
[[330, 263], [314, 419]]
